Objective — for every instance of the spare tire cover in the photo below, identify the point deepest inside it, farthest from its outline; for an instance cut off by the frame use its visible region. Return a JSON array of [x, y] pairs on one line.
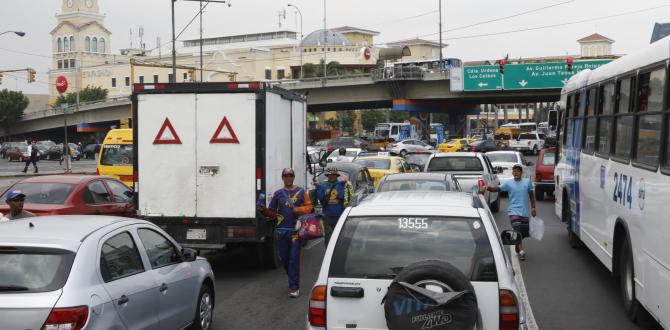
[[407, 309]]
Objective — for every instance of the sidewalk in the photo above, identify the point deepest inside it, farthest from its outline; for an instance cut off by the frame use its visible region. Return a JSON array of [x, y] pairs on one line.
[[14, 174]]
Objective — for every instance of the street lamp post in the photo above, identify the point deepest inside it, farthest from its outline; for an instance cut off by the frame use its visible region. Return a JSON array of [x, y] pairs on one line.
[[18, 33], [301, 36], [325, 42]]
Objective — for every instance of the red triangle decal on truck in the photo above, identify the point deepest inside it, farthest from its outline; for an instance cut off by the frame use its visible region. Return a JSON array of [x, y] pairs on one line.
[[217, 138], [160, 139]]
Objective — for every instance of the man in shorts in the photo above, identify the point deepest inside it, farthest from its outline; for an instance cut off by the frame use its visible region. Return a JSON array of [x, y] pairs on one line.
[[520, 192]]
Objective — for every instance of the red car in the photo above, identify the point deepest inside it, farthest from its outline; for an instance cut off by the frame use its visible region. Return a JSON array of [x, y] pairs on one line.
[[73, 194], [544, 173]]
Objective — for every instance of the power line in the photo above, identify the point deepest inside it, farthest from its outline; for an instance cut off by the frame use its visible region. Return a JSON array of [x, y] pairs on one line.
[[402, 19]]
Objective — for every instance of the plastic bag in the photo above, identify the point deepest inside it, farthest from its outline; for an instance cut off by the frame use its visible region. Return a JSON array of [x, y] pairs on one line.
[[536, 228]]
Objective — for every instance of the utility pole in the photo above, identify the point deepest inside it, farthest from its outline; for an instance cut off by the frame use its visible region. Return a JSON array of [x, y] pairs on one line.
[[174, 51], [441, 56], [301, 36], [201, 41], [325, 42]]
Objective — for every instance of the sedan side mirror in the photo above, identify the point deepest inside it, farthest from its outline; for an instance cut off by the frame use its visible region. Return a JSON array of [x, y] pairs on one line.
[[189, 255], [498, 169], [510, 237]]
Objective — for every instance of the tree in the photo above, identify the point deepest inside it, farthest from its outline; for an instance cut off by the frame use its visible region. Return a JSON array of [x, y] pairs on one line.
[[370, 118], [398, 116], [334, 123], [87, 94], [311, 70], [12, 105], [347, 119]]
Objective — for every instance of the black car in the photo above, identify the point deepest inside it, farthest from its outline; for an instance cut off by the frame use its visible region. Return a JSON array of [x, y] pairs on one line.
[[482, 146], [356, 174], [53, 153], [352, 142]]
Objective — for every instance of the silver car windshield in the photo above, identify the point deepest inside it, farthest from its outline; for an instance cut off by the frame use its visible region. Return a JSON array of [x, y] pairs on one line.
[[28, 270], [415, 185], [502, 157], [380, 247]]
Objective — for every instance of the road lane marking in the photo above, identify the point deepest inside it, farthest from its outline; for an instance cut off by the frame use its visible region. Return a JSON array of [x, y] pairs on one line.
[[313, 243], [530, 318]]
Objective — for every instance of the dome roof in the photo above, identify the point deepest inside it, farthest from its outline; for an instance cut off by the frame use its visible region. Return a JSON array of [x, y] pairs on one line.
[[318, 38]]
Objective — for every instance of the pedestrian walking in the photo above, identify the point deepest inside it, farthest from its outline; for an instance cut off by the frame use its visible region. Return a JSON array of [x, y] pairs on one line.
[[521, 194], [287, 204], [334, 196], [33, 152], [65, 152], [97, 151], [15, 200]]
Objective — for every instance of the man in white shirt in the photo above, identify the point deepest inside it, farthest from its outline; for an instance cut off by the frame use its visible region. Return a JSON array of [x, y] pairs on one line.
[[32, 152]]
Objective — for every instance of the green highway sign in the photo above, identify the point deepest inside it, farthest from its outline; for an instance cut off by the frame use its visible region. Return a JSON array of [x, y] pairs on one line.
[[524, 76]]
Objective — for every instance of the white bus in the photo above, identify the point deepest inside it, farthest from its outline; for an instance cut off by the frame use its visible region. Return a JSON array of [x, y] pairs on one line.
[[612, 178]]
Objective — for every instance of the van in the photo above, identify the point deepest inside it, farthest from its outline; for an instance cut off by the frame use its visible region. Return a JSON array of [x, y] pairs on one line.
[[116, 155], [503, 134]]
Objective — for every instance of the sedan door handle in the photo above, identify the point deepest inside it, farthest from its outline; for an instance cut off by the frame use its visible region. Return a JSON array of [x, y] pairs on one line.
[[164, 287], [123, 300]]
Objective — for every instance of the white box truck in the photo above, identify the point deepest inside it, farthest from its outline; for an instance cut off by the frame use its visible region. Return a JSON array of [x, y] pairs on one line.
[[204, 154]]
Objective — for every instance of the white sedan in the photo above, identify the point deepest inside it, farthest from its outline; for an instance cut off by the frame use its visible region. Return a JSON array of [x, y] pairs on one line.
[[506, 160], [403, 147]]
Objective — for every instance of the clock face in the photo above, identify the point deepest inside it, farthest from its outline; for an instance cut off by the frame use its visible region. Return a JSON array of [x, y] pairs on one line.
[[89, 3], [69, 3]]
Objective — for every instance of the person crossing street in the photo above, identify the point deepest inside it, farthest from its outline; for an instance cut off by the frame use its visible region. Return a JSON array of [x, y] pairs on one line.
[[334, 196], [520, 192], [287, 204], [33, 152]]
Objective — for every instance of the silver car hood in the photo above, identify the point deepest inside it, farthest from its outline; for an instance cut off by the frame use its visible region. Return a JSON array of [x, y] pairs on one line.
[[26, 311]]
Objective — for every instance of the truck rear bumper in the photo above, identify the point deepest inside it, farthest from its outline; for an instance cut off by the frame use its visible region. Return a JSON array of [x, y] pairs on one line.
[[214, 233]]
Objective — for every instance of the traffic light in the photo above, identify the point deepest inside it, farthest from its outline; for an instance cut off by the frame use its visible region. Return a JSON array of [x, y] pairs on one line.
[[191, 75], [31, 75], [569, 62], [0, 78], [501, 65]]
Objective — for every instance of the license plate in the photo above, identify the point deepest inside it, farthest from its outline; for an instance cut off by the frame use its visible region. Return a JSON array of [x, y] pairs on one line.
[[199, 234]]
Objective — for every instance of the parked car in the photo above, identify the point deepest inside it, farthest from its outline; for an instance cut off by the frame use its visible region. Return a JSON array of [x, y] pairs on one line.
[[56, 152], [89, 150], [383, 165], [454, 145], [67, 272], [73, 194], [544, 173], [19, 154], [403, 147], [528, 142], [472, 170], [482, 146], [352, 142], [506, 160], [418, 182], [394, 242], [10, 145], [418, 160], [358, 175]]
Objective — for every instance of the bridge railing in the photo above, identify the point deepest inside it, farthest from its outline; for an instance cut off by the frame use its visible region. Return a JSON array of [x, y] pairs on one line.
[[58, 111], [398, 73]]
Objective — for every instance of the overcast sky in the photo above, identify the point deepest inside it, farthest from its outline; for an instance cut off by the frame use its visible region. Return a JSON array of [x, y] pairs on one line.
[[394, 19]]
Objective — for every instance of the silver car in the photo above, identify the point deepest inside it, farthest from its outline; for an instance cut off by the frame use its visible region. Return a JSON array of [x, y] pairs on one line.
[[99, 272], [403, 147]]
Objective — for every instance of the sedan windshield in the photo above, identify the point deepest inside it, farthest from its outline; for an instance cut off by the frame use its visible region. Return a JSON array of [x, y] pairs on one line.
[[375, 164], [416, 185], [43, 192], [379, 247], [25, 270], [503, 157]]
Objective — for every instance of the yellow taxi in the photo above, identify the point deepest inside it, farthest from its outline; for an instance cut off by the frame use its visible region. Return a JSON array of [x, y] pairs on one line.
[[454, 145], [116, 155], [381, 165]]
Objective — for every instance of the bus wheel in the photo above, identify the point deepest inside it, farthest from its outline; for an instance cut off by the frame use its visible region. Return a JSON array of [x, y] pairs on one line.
[[573, 239], [627, 281]]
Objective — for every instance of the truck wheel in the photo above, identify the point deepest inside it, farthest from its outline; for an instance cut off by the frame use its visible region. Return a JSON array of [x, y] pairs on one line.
[[266, 253], [539, 194], [495, 206], [627, 281]]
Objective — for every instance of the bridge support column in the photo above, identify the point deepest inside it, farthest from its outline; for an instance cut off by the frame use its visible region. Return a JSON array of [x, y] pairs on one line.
[[527, 112], [495, 126], [505, 113]]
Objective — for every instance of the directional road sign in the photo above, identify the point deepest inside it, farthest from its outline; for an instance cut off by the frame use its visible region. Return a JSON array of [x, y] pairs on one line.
[[524, 76]]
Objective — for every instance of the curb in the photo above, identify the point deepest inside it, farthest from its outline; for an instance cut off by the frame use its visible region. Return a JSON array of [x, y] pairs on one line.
[[28, 175], [530, 318]]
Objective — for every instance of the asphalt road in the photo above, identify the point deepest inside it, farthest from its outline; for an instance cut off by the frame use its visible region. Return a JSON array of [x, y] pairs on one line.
[[45, 166]]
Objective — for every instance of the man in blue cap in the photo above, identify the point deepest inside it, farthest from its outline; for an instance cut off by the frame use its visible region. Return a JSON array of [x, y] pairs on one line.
[[15, 200]]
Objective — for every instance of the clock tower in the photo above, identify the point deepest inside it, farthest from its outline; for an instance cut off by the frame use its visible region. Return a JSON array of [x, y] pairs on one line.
[[79, 40]]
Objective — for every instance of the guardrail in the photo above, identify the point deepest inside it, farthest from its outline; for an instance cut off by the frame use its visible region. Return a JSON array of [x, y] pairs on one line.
[[59, 111]]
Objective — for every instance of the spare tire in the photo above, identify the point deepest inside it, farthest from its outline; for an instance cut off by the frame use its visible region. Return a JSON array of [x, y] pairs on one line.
[[408, 308]]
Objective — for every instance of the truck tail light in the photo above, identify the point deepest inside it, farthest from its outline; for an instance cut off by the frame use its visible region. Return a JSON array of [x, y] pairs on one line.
[[509, 310], [482, 186], [528, 142], [149, 87], [317, 306], [71, 318], [253, 85]]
